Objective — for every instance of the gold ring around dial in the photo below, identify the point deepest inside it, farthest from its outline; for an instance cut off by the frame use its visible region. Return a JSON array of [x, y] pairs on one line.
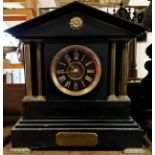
[[60, 55]]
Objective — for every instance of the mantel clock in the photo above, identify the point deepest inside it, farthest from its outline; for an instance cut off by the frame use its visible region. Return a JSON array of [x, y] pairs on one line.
[[76, 62]]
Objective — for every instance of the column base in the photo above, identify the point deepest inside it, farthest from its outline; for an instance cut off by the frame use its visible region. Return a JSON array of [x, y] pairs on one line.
[[124, 98], [112, 98], [40, 98], [28, 98]]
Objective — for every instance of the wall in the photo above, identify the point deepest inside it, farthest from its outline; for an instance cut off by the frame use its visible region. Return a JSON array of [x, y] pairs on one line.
[[51, 3], [142, 57]]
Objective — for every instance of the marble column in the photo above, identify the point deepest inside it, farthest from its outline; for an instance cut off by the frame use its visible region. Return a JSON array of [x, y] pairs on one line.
[[39, 72], [112, 97], [28, 77], [124, 73]]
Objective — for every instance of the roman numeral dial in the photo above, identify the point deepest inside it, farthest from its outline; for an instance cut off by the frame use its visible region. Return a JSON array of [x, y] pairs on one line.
[[75, 70]]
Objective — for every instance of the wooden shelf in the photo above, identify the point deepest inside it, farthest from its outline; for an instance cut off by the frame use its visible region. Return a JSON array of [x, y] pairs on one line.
[[32, 4], [14, 18], [14, 1], [20, 12], [28, 11], [13, 66]]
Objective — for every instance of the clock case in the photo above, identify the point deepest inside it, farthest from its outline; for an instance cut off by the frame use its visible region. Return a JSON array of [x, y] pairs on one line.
[[90, 113]]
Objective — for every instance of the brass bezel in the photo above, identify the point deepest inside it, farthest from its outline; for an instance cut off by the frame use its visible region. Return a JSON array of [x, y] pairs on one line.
[[86, 90]]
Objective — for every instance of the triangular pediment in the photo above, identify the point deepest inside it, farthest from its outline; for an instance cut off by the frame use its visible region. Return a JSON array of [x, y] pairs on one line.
[[95, 23]]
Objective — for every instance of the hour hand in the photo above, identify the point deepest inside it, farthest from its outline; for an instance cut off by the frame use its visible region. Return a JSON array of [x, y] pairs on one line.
[[64, 72]]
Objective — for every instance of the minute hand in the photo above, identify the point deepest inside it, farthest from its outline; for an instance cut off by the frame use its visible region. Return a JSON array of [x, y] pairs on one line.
[[71, 65]]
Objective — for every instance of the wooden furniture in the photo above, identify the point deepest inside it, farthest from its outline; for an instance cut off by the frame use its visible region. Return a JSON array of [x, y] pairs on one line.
[[7, 65], [17, 10], [7, 149], [12, 107], [13, 66], [27, 11], [13, 103], [94, 3], [143, 104]]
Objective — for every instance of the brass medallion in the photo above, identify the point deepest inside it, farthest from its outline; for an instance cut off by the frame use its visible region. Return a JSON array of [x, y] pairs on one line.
[[76, 23]]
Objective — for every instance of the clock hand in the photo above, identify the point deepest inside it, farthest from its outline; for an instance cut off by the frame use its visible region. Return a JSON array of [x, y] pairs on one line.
[[63, 72], [73, 71], [71, 65]]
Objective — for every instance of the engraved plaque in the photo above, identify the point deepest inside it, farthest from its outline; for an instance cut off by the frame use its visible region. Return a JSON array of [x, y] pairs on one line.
[[76, 139]]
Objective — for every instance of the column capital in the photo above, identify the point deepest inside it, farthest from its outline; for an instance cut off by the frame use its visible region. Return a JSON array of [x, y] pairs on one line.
[[32, 40], [120, 39]]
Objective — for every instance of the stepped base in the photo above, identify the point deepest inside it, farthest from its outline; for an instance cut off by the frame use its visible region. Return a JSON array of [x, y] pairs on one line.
[[83, 134]]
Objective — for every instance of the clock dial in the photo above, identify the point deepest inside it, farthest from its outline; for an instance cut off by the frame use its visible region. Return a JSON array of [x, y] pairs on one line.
[[75, 70]]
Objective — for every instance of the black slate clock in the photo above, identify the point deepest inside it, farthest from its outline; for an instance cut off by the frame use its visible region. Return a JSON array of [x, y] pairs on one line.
[[76, 62]]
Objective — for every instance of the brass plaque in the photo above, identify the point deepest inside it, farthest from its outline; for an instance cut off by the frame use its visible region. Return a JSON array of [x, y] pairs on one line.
[[75, 139]]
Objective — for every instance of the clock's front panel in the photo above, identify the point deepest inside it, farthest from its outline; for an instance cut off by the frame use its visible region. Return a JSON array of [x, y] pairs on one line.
[[76, 70]]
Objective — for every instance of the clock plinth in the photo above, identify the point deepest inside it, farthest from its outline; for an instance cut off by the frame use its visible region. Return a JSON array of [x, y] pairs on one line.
[[76, 63], [39, 126], [42, 134]]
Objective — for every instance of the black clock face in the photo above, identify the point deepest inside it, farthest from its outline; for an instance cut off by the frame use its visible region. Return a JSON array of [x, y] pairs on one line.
[[75, 70]]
